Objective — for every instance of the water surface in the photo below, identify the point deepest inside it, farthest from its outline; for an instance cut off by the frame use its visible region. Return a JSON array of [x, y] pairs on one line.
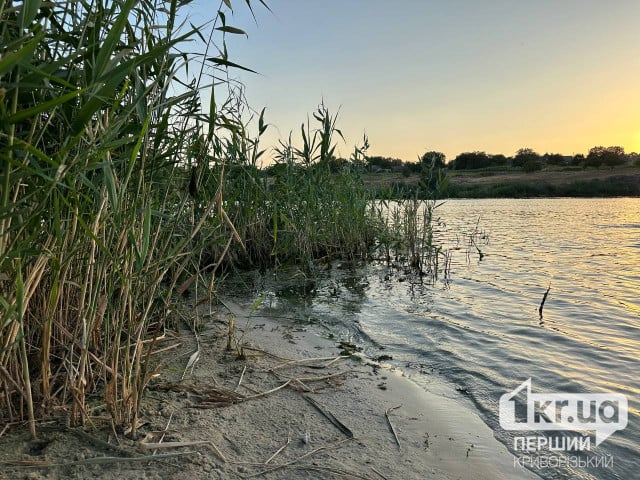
[[479, 329]]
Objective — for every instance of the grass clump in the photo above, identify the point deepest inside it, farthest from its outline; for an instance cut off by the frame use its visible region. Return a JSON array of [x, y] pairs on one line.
[[302, 211]]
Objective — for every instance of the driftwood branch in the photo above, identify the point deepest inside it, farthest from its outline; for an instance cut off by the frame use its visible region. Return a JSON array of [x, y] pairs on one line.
[[393, 430], [544, 299], [344, 429]]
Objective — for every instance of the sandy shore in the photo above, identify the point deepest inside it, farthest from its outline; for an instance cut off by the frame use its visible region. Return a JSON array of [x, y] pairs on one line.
[[233, 429]]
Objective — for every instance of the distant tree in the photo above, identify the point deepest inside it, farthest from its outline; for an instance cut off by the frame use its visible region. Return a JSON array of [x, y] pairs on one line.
[[337, 164], [413, 167], [435, 159], [532, 165], [609, 156], [554, 159], [276, 169], [377, 163], [431, 174], [498, 160], [578, 160], [614, 156], [471, 160], [525, 155]]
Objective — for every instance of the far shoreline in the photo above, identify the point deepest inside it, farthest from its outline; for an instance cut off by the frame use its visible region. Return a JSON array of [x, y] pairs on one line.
[[515, 183]]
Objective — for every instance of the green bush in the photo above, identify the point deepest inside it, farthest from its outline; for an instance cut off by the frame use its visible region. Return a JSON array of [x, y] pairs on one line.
[[531, 166]]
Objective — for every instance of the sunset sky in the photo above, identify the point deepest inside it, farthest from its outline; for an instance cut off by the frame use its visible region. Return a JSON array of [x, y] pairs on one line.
[[453, 76]]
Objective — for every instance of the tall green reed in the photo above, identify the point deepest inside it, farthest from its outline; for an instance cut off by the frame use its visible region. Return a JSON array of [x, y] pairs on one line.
[[406, 237], [103, 145], [301, 211]]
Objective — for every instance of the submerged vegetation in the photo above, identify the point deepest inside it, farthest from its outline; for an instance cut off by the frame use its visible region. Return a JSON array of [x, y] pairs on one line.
[[119, 194]]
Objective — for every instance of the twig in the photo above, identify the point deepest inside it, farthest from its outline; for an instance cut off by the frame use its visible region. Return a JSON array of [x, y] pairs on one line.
[[305, 388], [378, 473], [335, 471], [240, 381], [306, 455], [544, 299], [269, 354], [98, 442], [303, 361], [280, 449], [393, 430], [314, 379], [344, 429], [95, 460], [170, 347], [251, 397], [155, 446], [165, 431]]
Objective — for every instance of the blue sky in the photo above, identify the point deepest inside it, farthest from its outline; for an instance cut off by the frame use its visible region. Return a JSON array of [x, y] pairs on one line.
[[417, 75]]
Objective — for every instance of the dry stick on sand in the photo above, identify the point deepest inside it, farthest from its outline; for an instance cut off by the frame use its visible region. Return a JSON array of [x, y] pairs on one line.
[[393, 430], [378, 473], [280, 449], [306, 455], [304, 362], [314, 379], [336, 471], [290, 361], [170, 347], [164, 432], [544, 299], [97, 460], [344, 429], [251, 397], [155, 446], [87, 437], [241, 377]]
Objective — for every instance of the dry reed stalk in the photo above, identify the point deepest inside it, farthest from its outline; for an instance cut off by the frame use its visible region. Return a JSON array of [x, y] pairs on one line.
[[95, 460], [379, 474], [268, 392], [165, 349], [277, 452], [320, 378], [155, 446], [244, 369], [164, 432], [302, 457], [305, 362]]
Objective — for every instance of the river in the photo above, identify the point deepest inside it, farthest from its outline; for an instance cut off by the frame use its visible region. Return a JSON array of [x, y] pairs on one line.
[[479, 328]]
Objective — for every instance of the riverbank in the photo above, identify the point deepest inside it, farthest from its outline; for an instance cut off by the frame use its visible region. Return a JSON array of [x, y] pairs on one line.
[[230, 427], [493, 183]]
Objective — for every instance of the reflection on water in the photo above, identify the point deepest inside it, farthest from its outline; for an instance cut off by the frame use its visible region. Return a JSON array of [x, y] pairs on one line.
[[480, 329]]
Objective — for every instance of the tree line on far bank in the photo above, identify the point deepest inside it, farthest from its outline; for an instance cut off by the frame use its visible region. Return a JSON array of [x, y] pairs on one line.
[[525, 158]]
